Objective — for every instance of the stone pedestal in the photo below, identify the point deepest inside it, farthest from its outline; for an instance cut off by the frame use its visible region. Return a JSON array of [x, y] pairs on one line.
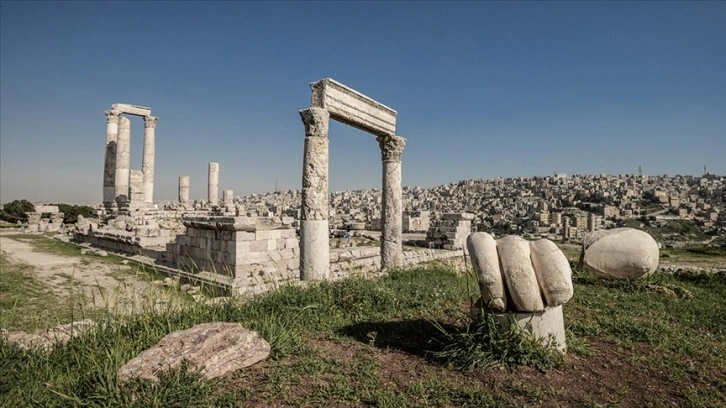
[[213, 184], [123, 161], [543, 325], [109, 165], [184, 190], [314, 233], [392, 201], [147, 163]]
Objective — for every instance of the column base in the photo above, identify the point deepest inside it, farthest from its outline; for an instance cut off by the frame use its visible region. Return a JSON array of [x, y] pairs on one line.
[[314, 250]]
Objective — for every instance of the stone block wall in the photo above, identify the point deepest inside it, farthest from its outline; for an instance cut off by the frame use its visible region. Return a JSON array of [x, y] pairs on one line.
[[450, 231], [252, 251], [417, 222]]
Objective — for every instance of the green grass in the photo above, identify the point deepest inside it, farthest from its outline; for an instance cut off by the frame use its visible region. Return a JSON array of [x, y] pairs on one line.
[[402, 340], [26, 304]]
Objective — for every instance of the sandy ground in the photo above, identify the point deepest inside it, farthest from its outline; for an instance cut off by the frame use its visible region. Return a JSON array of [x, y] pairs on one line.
[[102, 283]]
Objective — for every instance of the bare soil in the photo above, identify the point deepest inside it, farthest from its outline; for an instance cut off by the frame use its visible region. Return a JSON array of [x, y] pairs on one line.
[[99, 281]]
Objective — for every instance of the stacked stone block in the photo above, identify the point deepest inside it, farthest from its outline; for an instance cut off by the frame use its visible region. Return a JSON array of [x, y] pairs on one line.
[[450, 231], [251, 250], [419, 221]]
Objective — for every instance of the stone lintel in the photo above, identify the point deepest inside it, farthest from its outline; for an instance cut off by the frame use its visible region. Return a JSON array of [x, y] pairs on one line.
[[249, 224], [132, 109], [353, 108]]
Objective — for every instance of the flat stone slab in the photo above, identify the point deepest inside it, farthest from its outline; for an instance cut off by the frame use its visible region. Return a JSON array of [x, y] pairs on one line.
[[47, 338], [214, 349]]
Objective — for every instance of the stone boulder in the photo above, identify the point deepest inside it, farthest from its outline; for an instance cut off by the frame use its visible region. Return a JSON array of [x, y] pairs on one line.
[[213, 349], [620, 253]]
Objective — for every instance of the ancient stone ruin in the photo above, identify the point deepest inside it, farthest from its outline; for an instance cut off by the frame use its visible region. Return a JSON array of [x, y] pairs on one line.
[[124, 189], [331, 99], [522, 282], [220, 242]]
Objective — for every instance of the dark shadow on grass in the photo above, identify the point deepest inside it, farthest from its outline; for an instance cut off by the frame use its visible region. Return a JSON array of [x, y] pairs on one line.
[[416, 337]]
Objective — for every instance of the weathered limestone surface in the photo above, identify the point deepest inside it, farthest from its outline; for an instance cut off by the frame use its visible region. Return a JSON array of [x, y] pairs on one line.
[[451, 231], [553, 271], [542, 325], [147, 163], [514, 256], [314, 238], [228, 199], [620, 253], [214, 349], [353, 108], [136, 190], [213, 184], [184, 190], [131, 109], [109, 164], [392, 201], [47, 338], [242, 251], [483, 252], [123, 161], [314, 250]]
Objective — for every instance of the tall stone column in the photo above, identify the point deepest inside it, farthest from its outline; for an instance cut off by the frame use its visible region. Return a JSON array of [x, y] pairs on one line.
[[213, 184], [147, 161], [314, 232], [392, 201], [184, 190], [123, 161], [109, 163]]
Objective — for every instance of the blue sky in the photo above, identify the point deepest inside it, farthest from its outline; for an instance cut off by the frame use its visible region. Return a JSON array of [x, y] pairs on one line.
[[482, 89]]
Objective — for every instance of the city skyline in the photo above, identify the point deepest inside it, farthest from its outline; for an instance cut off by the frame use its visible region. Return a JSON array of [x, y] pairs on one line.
[[482, 90]]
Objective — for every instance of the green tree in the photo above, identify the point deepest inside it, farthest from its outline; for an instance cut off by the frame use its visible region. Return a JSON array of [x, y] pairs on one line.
[[71, 212], [17, 210]]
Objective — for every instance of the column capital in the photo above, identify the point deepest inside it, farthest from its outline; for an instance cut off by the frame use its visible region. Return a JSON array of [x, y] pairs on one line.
[[391, 147], [150, 121], [112, 116], [315, 121]]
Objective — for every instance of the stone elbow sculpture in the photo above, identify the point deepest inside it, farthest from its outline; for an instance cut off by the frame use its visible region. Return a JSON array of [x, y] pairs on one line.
[[516, 275], [620, 253]]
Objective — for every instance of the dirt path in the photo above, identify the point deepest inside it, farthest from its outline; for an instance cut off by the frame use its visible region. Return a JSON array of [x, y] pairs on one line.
[[102, 284]]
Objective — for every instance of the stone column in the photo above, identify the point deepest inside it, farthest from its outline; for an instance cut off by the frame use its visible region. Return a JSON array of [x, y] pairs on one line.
[[392, 201], [109, 165], [314, 233], [147, 161], [228, 198], [123, 161], [184, 190], [213, 184]]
